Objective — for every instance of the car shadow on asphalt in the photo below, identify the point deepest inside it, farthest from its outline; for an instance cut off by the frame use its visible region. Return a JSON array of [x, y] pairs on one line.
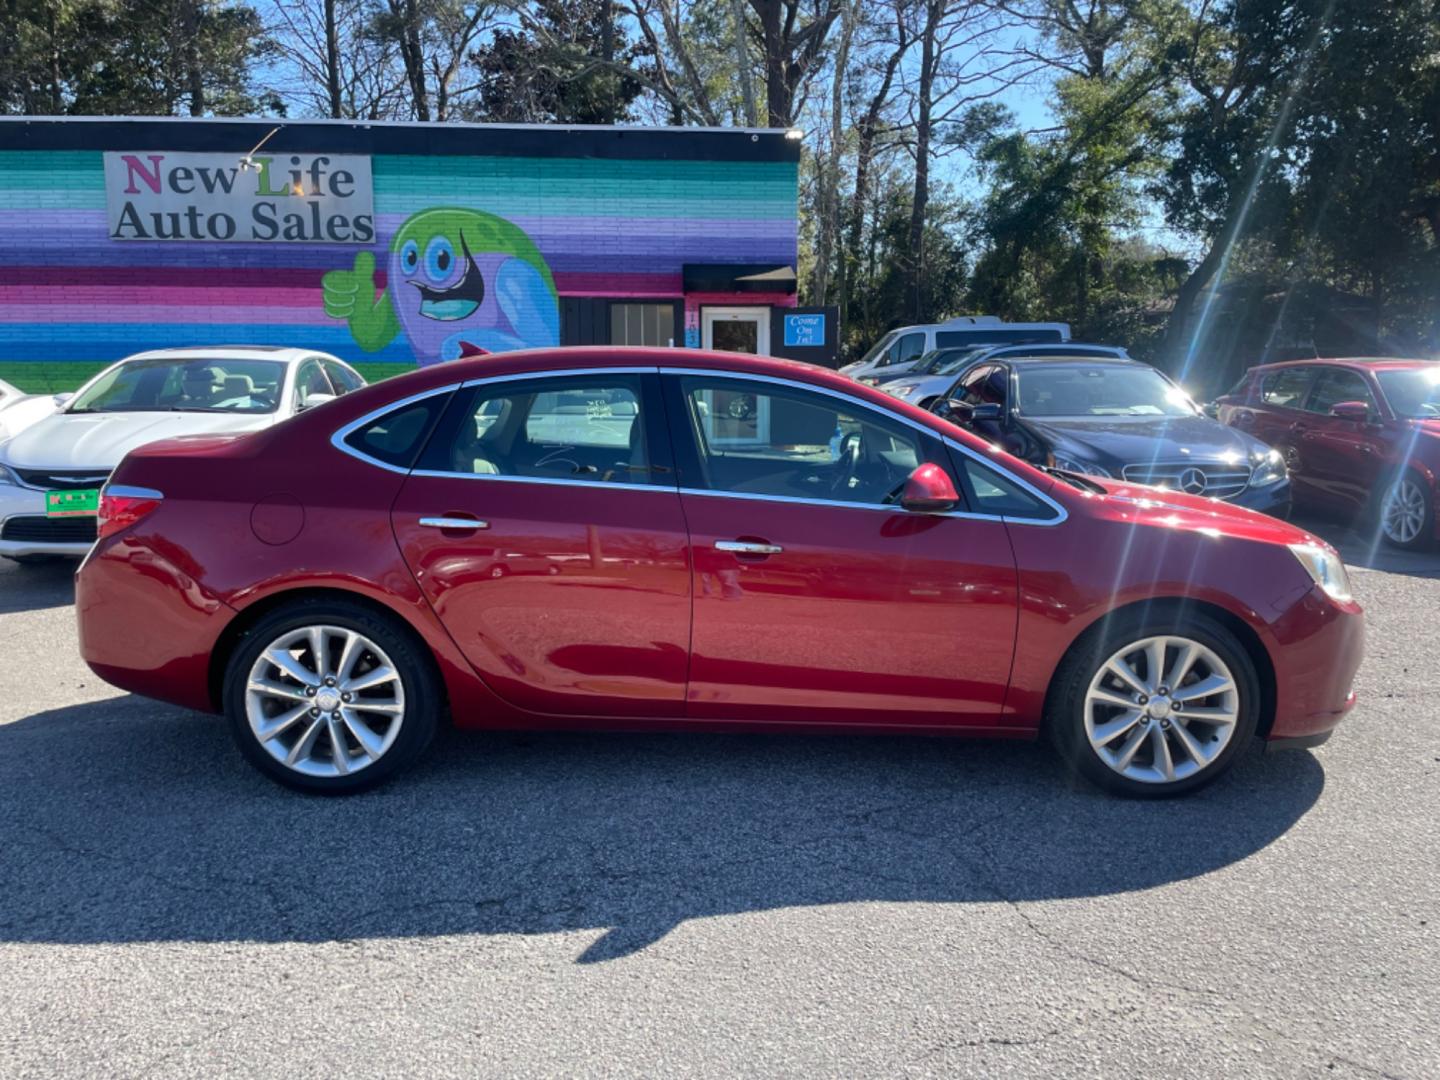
[[34, 588], [128, 821]]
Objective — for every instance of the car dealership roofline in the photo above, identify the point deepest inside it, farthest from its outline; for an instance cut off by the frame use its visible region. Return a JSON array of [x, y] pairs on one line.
[[221, 134]]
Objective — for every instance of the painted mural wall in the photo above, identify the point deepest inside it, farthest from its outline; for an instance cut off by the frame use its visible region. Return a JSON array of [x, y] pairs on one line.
[[468, 255]]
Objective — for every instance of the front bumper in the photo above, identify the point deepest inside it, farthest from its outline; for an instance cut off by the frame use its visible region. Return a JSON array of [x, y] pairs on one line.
[[25, 530], [1272, 499], [1317, 649]]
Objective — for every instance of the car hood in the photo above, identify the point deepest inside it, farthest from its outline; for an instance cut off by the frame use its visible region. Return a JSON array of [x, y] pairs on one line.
[[1154, 507], [20, 414], [1128, 440], [100, 440]]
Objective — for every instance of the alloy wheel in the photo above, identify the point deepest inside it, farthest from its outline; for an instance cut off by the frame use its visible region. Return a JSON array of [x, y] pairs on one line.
[[1161, 709], [324, 701], [1402, 515]]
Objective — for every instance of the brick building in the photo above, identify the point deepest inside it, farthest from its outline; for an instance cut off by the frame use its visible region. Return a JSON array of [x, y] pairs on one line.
[[390, 244]]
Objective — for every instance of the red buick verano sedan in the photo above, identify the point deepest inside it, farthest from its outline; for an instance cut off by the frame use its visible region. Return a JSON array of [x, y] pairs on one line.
[[632, 538]]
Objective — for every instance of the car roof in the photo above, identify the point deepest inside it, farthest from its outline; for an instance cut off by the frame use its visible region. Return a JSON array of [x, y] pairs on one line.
[[1115, 361], [283, 353], [588, 357], [1078, 349], [1373, 363]]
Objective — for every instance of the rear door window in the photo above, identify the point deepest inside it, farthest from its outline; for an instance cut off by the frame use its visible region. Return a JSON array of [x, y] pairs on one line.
[[590, 429], [1287, 387]]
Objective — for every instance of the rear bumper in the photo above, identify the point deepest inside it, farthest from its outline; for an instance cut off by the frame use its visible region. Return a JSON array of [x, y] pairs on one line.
[[146, 625]]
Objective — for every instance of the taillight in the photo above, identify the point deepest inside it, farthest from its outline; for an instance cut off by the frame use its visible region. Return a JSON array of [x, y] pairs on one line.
[[122, 506]]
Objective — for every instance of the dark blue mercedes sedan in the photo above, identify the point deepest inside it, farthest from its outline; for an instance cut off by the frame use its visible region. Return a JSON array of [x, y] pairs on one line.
[[1116, 418]]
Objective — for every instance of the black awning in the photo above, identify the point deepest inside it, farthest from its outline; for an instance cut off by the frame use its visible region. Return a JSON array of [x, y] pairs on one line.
[[738, 277]]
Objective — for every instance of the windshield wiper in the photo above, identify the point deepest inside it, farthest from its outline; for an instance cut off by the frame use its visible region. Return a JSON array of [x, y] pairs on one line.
[[1074, 479]]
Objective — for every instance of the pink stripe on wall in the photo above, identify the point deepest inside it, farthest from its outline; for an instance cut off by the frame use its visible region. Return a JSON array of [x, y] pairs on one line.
[[80, 313], [619, 285], [48, 296]]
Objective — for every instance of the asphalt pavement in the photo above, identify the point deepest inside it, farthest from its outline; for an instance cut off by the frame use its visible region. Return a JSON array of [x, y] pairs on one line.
[[705, 905]]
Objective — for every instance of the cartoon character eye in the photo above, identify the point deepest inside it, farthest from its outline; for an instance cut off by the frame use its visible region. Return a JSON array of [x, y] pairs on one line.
[[439, 259], [409, 256]]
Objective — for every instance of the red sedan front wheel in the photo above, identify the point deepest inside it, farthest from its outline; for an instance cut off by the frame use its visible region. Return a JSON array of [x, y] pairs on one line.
[[1153, 709]]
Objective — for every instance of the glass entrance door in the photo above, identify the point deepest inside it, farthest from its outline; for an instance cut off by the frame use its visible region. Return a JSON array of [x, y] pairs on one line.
[[736, 419], [736, 329]]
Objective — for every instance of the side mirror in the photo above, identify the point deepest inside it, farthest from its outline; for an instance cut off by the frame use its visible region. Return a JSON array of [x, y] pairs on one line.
[[1211, 409], [313, 400], [1355, 411], [61, 399], [929, 490], [962, 412]]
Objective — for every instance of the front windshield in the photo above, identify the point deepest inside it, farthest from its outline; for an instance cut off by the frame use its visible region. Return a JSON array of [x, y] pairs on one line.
[[879, 347], [1413, 393], [943, 361], [1099, 390], [176, 384]]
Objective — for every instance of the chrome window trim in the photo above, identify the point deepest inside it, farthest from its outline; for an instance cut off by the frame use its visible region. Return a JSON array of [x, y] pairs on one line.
[[486, 380], [127, 491], [338, 441], [1061, 513], [338, 437]]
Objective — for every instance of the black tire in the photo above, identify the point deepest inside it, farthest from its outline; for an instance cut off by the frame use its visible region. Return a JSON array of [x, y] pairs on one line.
[[423, 697], [1424, 540], [1066, 701]]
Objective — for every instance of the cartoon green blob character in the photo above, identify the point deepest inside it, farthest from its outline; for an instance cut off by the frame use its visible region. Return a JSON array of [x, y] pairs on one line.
[[459, 283]]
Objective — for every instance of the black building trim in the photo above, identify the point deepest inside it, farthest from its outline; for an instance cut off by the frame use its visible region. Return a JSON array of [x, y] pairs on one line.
[[343, 137], [738, 277]]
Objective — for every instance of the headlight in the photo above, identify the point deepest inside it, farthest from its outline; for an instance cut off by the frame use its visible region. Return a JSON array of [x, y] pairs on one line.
[[1270, 469], [1325, 567], [1084, 467], [903, 391], [8, 478]]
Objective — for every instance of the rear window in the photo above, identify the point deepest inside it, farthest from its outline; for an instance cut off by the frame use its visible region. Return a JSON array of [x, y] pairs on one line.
[[397, 437]]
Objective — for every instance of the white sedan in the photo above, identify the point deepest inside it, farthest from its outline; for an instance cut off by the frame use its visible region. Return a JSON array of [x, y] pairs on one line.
[[19, 410], [51, 472]]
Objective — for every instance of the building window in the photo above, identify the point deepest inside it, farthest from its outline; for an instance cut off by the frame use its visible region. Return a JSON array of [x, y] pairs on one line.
[[642, 324]]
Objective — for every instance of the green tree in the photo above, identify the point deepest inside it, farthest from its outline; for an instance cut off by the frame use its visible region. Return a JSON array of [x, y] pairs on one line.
[[132, 57], [567, 66]]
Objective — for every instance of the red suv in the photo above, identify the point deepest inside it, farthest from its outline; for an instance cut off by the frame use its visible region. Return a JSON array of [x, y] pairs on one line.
[[674, 539], [1360, 437]]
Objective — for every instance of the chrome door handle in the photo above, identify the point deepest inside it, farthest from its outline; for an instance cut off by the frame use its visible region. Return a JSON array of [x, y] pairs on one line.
[[453, 523], [747, 547]]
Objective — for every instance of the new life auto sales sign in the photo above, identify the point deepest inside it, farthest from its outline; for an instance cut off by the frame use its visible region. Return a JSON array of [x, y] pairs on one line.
[[277, 198]]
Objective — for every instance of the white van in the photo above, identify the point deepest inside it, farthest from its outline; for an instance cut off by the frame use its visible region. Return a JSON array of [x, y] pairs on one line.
[[898, 350]]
